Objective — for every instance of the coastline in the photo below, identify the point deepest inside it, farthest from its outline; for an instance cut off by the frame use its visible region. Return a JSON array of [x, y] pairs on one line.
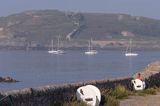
[[78, 44], [50, 94]]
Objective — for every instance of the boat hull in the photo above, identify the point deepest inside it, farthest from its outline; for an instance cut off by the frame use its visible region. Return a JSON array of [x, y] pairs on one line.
[[92, 52], [131, 54], [56, 51]]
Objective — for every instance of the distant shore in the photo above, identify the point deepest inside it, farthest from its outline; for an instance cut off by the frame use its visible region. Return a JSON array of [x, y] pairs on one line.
[[75, 44], [6, 48]]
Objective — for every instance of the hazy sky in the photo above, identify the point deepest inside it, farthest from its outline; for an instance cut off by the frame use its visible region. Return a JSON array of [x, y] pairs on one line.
[[148, 8]]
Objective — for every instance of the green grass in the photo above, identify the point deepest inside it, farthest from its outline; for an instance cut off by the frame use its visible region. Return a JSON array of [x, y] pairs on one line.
[[150, 91], [108, 100], [120, 92], [112, 97]]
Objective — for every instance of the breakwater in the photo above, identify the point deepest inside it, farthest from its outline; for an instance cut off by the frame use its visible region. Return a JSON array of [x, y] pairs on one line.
[[54, 94]]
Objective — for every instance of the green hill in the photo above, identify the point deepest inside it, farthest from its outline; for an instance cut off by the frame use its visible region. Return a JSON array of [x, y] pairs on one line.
[[103, 26], [37, 28]]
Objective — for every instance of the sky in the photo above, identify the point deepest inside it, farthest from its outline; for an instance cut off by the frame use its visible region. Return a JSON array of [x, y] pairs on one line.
[[147, 8]]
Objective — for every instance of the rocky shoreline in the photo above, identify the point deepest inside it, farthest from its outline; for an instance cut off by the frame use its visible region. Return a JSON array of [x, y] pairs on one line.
[[7, 79], [151, 69]]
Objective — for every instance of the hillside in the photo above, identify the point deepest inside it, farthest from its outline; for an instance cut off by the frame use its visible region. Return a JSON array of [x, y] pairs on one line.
[[103, 26], [37, 28]]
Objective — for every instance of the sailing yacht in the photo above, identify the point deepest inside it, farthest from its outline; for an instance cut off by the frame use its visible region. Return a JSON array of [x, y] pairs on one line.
[[90, 49], [58, 51], [129, 50]]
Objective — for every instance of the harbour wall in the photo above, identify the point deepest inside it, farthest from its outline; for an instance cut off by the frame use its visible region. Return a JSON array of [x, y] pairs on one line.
[[54, 94]]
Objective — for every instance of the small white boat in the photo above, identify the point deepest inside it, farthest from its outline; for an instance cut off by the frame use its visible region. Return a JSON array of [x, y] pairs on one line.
[[91, 52], [89, 94], [58, 51], [131, 54], [129, 50], [90, 49]]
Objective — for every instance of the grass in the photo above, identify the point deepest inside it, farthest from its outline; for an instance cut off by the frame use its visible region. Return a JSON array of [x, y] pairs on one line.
[[150, 91], [120, 92], [107, 100], [112, 97]]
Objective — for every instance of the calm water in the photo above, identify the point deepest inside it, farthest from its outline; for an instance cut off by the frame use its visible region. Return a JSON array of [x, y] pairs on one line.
[[38, 68]]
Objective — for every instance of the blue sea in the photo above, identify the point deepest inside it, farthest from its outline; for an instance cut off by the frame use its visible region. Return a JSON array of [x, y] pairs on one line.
[[39, 68]]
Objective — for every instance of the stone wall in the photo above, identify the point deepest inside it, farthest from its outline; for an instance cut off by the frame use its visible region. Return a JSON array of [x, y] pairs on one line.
[[153, 80], [54, 94]]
